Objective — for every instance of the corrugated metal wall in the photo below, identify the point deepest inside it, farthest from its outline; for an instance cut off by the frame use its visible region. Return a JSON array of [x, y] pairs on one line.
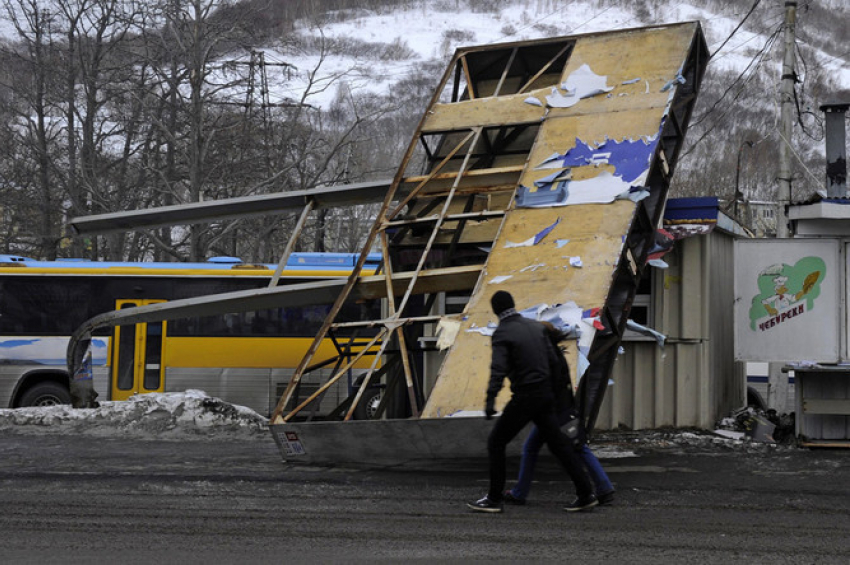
[[693, 380]]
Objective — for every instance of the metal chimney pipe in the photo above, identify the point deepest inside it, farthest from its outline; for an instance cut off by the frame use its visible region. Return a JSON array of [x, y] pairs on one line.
[[836, 149]]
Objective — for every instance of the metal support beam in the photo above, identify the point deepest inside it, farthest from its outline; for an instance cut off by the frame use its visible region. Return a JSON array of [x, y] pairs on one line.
[[260, 205]]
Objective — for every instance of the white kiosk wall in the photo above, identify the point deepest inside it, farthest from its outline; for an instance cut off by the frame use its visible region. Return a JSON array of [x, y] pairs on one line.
[[787, 300]]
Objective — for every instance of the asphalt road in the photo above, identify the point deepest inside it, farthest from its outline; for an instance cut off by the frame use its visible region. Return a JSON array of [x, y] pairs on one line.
[[77, 499]]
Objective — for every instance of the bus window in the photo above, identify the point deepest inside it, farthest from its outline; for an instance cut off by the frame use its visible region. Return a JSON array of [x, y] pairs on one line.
[[44, 307], [153, 356]]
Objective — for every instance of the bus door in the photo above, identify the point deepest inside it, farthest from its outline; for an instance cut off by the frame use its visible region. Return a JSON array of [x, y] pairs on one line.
[[136, 356]]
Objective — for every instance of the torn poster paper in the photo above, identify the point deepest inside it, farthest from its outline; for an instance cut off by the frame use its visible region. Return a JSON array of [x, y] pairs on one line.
[[557, 100], [582, 83], [501, 279], [678, 79], [576, 262], [559, 243], [554, 160], [635, 327], [447, 331], [591, 316], [537, 238], [662, 243], [562, 174], [566, 317], [630, 158], [632, 81], [601, 189], [483, 330], [635, 194]]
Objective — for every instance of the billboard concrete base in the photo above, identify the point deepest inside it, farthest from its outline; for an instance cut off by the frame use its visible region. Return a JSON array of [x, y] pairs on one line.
[[388, 443]]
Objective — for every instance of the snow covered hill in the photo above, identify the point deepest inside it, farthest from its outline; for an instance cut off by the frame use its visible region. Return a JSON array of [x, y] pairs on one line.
[[351, 54], [418, 32]]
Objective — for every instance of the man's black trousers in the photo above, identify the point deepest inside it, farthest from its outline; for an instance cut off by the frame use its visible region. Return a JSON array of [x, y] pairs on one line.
[[538, 408]]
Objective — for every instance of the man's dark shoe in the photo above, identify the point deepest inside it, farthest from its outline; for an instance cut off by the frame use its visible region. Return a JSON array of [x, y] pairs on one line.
[[509, 498], [607, 498], [583, 504], [485, 505]]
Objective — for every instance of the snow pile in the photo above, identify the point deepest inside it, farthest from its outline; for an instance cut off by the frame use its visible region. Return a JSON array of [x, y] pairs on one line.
[[162, 415], [684, 441]]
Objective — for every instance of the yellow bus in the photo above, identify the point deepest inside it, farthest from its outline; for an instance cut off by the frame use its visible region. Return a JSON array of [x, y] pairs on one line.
[[244, 358]]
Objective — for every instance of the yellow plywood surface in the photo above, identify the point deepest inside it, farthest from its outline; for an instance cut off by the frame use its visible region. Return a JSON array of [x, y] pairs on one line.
[[540, 274], [653, 55], [482, 112]]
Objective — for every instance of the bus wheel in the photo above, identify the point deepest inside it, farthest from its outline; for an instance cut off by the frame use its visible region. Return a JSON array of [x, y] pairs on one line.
[[367, 409], [46, 394]]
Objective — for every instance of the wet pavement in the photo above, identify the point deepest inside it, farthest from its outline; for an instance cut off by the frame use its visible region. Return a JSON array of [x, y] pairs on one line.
[[73, 498]]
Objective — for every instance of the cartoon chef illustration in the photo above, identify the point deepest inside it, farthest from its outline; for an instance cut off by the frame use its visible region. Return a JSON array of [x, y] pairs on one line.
[[783, 297]]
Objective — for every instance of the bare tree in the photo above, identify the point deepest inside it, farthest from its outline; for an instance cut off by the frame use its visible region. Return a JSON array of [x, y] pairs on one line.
[[33, 106]]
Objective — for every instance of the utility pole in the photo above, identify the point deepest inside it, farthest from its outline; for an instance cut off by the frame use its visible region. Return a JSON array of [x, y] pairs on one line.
[[777, 392], [786, 100]]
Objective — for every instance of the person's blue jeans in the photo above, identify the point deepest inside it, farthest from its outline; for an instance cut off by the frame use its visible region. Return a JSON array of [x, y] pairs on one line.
[[531, 449]]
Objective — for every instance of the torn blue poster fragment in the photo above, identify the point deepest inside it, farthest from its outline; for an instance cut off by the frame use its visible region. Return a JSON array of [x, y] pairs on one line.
[[549, 195], [533, 101], [635, 327], [537, 238], [658, 263], [562, 174], [545, 231], [678, 79], [636, 194], [483, 330], [559, 243], [629, 157], [632, 81], [553, 158], [601, 189]]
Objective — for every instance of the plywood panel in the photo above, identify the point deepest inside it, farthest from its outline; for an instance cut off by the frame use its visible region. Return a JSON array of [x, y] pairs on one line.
[[541, 274]]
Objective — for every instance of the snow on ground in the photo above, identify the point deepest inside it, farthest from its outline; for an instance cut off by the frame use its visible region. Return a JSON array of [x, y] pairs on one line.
[[175, 415], [195, 415]]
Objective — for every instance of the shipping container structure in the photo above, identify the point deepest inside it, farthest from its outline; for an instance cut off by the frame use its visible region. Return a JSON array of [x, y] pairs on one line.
[[693, 380]]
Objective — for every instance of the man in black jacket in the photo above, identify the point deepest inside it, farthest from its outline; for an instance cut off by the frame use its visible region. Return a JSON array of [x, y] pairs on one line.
[[523, 353]]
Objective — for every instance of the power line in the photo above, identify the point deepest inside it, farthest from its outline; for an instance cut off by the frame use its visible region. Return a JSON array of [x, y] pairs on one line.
[[753, 64], [734, 31]]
